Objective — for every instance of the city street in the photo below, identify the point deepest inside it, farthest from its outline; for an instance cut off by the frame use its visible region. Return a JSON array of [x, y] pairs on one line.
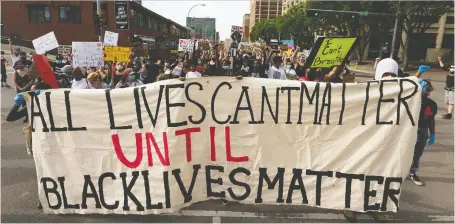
[[430, 203]]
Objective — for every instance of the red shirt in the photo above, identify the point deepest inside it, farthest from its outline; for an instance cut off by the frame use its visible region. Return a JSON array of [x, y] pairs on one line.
[[303, 78]]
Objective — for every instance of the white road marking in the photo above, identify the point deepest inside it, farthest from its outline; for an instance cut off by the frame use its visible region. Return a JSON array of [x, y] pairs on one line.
[[23, 195], [216, 220]]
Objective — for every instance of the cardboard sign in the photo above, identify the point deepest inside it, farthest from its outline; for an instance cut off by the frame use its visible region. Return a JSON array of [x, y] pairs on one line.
[[88, 54], [186, 45], [64, 49], [169, 144], [45, 70], [45, 43], [330, 51], [110, 38], [118, 54]]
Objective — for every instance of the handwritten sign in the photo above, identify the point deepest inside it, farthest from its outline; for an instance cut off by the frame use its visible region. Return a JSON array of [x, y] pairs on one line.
[[45, 43], [64, 49], [119, 54], [186, 45], [162, 147], [330, 51], [88, 54], [110, 38], [289, 43]]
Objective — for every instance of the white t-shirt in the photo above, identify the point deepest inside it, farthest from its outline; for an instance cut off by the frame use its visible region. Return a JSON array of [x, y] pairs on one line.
[[81, 84], [193, 75], [176, 71], [290, 72], [14, 58], [276, 73]]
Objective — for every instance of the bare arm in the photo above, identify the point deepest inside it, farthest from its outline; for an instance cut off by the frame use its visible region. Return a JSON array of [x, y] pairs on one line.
[[376, 63], [10, 46], [14, 81], [440, 62]]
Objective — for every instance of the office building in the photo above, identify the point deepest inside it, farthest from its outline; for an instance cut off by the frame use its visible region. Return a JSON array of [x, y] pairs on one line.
[[204, 27], [264, 9], [289, 3], [246, 27]]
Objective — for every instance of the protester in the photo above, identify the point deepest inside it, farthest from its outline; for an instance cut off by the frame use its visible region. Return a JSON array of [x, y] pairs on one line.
[[193, 73], [134, 77], [95, 79], [449, 89], [16, 54], [290, 72], [4, 62], [386, 68], [427, 123], [166, 75], [22, 80], [275, 72], [153, 70], [79, 82]]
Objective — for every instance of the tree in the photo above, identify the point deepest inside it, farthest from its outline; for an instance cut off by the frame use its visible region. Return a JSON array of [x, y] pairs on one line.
[[416, 18], [267, 29]]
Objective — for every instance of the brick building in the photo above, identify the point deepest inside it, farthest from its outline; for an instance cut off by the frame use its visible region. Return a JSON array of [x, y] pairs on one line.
[[75, 21]]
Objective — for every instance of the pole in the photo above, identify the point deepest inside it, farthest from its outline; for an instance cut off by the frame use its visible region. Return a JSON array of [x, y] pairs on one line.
[[395, 31], [98, 11]]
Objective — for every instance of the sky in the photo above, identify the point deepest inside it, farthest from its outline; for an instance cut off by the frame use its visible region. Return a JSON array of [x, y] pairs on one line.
[[227, 13]]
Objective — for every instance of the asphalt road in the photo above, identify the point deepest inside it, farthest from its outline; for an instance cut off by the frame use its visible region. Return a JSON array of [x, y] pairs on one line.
[[431, 203]]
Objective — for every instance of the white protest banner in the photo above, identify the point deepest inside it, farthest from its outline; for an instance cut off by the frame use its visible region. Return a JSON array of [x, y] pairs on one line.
[[64, 49], [88, 54], [186, 45], [45, 43], [110, 38], [163, 146]]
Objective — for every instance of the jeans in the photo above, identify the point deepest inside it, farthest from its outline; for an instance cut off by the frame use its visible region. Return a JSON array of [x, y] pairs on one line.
[[422, 138]]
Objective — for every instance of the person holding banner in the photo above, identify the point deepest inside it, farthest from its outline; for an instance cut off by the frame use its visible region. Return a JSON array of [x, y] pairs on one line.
[[79, 82], [275, 72]]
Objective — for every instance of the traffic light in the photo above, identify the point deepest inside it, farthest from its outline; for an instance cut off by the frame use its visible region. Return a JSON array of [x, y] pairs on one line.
[[97, 22]]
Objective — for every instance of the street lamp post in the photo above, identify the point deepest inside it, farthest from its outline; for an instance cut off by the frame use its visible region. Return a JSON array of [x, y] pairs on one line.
[[193, 7]]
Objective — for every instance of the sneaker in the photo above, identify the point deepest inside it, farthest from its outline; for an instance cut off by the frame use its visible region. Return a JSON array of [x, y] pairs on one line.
[[350, 216], [224, 202], [39, 206], [447, 116], [7, 86], [416, 179]]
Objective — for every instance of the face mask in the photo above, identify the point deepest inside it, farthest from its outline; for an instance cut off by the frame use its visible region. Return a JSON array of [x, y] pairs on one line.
[[64, 61], [58, 61], [119, 67], [289, 67], [132, 78], [226, 67], [166, 64], [212, 63], [199, 62]]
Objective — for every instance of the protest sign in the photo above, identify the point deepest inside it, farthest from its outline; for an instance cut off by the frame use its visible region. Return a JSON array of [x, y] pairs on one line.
[[64, 49], [186, 45], [45, 43], [45, 70], [330, 51], [87, 54], [121, 15], [161, 147], [118, 54], [290, 43], [110, 38]]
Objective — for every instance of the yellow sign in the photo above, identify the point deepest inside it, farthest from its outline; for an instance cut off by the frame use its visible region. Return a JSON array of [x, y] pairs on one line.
[[332, 52], [174, 51], [118, 54]]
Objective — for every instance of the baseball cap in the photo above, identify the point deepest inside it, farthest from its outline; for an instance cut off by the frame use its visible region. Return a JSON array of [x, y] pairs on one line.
[[387, 65]]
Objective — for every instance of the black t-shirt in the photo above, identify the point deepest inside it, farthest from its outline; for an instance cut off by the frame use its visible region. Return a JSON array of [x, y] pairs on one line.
[[299, 70], [428, 110], [449, 78], [153, 71]]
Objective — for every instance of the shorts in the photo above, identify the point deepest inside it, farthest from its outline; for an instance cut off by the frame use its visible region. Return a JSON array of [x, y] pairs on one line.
[[449, 97]]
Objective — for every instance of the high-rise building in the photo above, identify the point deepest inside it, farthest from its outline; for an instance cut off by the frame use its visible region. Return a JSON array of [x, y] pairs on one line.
[[264, 9], [289, 3], [204, 27], [246, 27], [217, 37]]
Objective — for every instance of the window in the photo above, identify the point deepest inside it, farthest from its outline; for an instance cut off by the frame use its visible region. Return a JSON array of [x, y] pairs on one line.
[[39, 13], [69, 14]]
